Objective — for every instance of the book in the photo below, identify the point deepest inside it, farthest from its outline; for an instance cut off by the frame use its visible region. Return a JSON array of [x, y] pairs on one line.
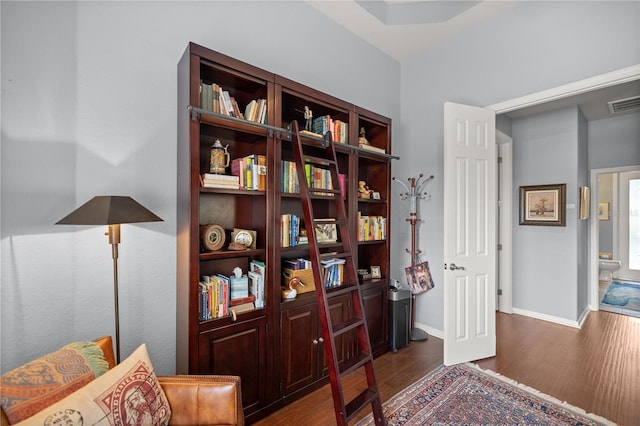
[[257, 270], [214, 176], [239, 301]]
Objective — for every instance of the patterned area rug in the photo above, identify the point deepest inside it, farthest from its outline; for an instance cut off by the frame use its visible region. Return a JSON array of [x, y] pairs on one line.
[[622, 295], [467, 395]]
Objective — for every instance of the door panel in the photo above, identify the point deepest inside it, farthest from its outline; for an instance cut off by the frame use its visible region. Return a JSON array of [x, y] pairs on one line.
[[470, 200]]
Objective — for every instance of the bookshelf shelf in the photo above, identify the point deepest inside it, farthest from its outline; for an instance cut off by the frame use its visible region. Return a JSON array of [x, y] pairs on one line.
[[271, 348]]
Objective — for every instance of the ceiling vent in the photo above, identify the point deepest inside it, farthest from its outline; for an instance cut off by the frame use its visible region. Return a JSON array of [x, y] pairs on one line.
[[624, 105]]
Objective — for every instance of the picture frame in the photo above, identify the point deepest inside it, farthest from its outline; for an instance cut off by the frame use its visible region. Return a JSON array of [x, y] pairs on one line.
[[326, 232], [419, 277], [603, 210], [375, 195], [585, 202], [543, 205], [375, 272]]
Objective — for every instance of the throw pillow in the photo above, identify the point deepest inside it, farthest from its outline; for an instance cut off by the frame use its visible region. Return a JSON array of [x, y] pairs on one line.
[[128, 394], [36, 385]]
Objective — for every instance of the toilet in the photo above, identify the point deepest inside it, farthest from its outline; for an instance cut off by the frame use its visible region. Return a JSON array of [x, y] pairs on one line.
[[608, 266]]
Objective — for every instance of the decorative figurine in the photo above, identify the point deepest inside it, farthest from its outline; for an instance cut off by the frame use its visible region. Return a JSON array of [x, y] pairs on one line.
[[362, 139], [308, 119], [219, 159], [363, 190], [291, 292]]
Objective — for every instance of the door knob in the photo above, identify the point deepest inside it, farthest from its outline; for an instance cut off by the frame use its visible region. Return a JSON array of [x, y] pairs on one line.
[[453, 267]]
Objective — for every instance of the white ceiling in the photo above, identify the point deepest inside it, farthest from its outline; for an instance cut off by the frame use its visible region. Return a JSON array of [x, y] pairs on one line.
[[403, 28]]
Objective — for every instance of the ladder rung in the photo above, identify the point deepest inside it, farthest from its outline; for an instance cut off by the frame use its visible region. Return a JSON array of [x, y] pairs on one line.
[[331, 255], [343, 289], [318, 161], [324, 191], [348, 325], [330, 222], [354, 406], [353, 363]]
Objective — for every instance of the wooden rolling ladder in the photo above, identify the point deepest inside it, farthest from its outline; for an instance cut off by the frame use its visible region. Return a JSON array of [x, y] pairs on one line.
[[344, 411]]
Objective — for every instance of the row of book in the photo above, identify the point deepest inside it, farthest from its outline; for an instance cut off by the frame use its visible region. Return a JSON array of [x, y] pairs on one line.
[[296, 264], [317, 177], [338, 128], [219, 294], [290, 231], [371, 228], [214, 98], [251, 171], [332, 272]]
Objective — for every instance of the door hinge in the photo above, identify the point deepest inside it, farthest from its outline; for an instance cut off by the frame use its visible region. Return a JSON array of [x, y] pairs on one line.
[[499, 246], [499, 292], [499, 160]]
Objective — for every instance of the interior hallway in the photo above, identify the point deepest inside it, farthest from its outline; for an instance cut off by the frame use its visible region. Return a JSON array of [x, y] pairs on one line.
[[595, 368]]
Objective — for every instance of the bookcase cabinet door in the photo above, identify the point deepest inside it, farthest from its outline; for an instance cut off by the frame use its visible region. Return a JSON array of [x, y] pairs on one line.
[[374, 298], [239, 350], [299, 347]]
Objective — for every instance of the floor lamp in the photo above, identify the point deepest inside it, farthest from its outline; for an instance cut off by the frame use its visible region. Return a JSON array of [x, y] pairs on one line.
[[413, 194], [111, 211]]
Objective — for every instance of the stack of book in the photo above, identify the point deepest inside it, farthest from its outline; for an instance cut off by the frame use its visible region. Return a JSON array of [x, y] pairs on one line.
[[214, 295], [332, 272], [290, 230], [371, 228], [339, 129], [211, 180], [257, 271], [251, 172]]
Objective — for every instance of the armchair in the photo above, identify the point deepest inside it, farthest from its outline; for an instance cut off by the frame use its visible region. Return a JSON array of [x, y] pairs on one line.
[[194, 400]]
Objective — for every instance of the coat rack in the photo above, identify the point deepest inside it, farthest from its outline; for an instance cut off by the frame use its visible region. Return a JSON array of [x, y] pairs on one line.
[[413, 194]]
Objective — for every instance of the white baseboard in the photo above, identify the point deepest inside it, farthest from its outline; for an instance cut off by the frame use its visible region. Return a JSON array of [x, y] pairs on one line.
[[431, 331], [557, 320], [549, 318]]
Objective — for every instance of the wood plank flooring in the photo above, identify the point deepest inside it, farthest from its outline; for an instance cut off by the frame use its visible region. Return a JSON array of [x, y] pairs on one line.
[[596, 368]]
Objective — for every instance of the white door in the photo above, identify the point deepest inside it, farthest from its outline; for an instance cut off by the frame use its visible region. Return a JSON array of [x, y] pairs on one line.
[[470, 204], [629, 226]]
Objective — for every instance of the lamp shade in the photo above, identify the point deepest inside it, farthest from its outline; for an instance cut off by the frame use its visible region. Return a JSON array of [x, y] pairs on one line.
[[109, 210]]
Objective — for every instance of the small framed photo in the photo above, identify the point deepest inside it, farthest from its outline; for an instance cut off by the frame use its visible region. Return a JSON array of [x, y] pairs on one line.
[[543, 205], [603, 210], [375, 195], [326, 232], [375, 272]]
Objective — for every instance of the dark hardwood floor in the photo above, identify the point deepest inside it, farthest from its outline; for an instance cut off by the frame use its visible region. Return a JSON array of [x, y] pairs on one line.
[[596, 368]]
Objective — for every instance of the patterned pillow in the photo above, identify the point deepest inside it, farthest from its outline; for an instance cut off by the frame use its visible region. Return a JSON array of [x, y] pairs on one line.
[[34, 386], [128, 394]]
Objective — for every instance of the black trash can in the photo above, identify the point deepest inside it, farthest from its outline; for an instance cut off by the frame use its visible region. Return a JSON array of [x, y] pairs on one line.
[[399, 318]]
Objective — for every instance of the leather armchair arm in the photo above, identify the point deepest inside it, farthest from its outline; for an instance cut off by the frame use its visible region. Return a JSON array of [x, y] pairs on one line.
[[203, 400]]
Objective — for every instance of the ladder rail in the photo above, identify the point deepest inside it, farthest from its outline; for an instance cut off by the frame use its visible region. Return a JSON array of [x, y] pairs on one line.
[[357, 323]]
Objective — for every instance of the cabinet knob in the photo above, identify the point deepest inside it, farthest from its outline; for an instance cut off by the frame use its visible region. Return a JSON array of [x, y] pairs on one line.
[[320, 340], [315, 341]]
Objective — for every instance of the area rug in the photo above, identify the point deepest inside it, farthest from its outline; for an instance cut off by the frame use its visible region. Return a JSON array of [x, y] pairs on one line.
[[623, 295], [467, 395]]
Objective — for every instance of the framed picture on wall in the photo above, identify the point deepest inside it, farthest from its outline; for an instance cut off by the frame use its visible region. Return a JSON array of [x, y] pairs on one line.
[[585, 202], [603, 210], [543, 205]]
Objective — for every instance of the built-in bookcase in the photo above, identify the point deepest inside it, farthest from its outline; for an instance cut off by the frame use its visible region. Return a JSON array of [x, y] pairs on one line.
[[275, 348]]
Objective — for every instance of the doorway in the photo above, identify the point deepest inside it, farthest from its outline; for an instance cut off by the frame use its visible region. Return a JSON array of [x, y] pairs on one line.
[[611, 231]]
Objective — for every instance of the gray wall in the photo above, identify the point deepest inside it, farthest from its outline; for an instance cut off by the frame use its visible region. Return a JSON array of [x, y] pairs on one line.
[[531, 47], [89, 108], [545, 151]]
